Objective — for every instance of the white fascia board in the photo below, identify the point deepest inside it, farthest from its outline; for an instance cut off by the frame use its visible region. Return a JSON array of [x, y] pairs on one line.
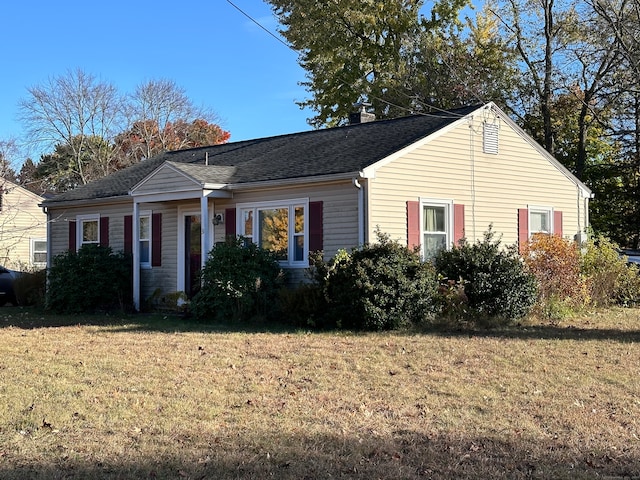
[[586, 191], [190, 194], [86, 201], [370, 171], [285, 182]]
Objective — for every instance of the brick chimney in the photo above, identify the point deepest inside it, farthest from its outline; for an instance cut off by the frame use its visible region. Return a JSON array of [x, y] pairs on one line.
[[361, 116]]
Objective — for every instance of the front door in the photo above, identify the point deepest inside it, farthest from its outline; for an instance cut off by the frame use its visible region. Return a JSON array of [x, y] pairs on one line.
[[193, 254]]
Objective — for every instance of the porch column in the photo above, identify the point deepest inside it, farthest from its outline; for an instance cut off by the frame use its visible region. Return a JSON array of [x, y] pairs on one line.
[[135, 248], [205, 227]]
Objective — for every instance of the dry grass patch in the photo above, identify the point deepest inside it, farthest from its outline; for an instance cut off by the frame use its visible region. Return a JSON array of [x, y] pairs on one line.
[[152, 398]]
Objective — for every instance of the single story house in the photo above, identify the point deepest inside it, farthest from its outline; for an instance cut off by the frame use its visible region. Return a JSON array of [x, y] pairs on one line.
[[425, 180], [23, 228]]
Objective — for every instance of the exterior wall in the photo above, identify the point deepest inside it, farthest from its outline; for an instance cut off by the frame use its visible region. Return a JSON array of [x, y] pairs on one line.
[[339, 211], [492, 187], [21, 221], [163, 277]]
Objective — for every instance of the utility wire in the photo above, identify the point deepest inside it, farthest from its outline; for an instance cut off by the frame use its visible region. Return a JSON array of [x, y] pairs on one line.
[[409, 110]]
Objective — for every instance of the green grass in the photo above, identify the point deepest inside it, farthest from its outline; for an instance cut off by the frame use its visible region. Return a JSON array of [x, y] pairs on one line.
[[153, 397]]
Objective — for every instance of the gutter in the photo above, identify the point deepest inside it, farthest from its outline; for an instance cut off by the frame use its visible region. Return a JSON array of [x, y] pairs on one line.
[[356, 183]]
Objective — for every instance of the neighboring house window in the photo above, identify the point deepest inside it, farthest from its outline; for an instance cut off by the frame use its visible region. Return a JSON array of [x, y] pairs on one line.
[[39, 252], [145, 239], [280, 227], [436, 226], [490, 138], [88, 229]]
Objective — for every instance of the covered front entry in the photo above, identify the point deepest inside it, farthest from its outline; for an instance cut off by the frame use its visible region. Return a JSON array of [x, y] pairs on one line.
[[193, 200]]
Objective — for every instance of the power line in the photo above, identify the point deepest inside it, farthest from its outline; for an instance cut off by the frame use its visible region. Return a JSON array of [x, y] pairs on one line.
[[409, 110], [260, 25]]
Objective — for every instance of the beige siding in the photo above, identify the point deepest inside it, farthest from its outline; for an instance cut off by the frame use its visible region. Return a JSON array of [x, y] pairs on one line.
[[163, 277], [21, 221], [166, 179], [340, 210], [492, 187]]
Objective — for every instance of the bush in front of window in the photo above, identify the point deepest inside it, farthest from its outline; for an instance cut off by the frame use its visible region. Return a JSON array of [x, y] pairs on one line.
[[498, 288], [555, 262], [380, 286], [240, 281], [90, 280]]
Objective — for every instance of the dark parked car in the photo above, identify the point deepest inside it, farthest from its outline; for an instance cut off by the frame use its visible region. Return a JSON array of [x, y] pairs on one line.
[[633, 256], [7, 277]]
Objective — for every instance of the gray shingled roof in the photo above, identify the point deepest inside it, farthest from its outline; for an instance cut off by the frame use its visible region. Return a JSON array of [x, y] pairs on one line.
[[307, 154]]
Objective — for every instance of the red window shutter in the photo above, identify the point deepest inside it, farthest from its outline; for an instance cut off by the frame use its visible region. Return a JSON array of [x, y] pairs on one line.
[[104, 231], [557, 223], [72, 236], [458, 223], [413, 224], [316, 221], [128, 234], [156, 240], [523, 228], [230, 222]]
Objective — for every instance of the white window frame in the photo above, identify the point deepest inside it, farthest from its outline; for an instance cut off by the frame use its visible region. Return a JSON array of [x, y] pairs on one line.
[[435, 202], [540, 209], [141, 215], [80, 221], [33, 252], [290, 205]]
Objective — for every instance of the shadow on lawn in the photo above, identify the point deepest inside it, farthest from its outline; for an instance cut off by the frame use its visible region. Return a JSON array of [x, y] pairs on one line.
[[403, 454], [30, 318], [546, 332]]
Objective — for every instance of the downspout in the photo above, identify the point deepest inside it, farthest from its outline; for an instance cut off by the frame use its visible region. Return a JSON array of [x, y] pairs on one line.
[[357, 184], [45, 210]]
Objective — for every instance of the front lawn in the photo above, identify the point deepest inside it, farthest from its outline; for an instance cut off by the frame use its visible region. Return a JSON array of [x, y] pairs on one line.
[[147, 397]]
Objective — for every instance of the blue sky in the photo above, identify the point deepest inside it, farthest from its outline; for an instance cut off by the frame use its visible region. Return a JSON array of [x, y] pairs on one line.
[[217, 55]]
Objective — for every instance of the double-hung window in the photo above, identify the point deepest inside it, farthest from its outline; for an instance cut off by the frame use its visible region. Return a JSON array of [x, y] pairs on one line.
[[436, 226], [39, 252], [145, 239], [280, 227], [88, 230], [540, 220]]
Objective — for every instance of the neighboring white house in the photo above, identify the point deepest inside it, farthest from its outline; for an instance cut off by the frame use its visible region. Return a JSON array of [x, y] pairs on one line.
[[23, 228]]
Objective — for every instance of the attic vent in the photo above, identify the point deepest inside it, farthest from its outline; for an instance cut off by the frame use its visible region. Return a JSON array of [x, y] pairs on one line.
[[490, 138]]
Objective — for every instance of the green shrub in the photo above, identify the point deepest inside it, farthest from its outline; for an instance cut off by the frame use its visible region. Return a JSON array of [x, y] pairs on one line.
[[239, 281], [380, 286], [303, 306], [609, 279], [29, 287], [89, 280], [627, 288], [497, 286]]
